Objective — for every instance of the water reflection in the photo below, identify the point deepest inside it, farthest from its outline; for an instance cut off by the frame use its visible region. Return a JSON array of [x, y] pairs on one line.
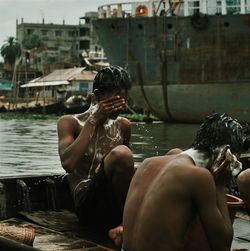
[[157, 138], [28, 146]]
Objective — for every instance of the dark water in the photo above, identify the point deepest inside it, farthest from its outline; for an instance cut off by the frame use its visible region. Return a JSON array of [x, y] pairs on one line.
[[30, 146], [157, 138]]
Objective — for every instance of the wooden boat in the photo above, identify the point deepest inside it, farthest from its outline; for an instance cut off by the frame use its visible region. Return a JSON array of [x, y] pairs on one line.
[[187, 59], [44, 202]]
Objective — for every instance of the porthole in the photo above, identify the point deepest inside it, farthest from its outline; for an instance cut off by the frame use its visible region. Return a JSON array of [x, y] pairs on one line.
[[140, 26], [170, 26]]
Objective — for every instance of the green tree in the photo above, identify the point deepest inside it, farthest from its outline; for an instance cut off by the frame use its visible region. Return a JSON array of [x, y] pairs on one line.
[[32, 42], [10, 51]]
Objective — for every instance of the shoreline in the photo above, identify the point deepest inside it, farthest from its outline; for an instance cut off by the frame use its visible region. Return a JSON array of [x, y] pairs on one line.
[[137, 117]]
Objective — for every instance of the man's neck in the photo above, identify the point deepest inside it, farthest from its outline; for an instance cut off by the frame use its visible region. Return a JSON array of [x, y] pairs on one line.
[[200, 158]]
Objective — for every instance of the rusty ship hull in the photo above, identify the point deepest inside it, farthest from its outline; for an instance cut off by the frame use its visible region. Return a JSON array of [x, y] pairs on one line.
[[183, 67]]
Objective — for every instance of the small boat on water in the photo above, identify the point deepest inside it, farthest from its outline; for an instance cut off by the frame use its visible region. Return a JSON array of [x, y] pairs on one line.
[[187, 58]]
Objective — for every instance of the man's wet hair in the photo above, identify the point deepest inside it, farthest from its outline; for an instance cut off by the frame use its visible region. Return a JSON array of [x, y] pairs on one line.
[[112, 78], [218, 130]]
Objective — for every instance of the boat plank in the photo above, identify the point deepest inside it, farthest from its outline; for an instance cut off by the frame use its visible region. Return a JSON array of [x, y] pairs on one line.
[[66, 222], [62, 221], [48, 239], [61, 231], [241, 240]]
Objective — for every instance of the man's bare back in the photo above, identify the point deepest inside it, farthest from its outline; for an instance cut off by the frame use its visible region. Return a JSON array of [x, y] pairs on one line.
[[168, 192], [178, 211]]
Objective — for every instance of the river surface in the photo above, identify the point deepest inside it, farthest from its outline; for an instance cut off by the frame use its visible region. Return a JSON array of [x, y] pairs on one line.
[[30, 146]]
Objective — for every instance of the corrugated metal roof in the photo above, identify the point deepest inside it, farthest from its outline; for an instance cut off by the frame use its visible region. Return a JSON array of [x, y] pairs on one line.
[[84, 75], [34, 80], [62, 74], [46, 83], [62, 77], [102, 63]]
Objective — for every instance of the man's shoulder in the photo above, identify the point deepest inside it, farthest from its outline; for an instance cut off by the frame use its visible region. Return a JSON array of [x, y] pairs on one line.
[[65, 118], [68, 122], [201, 177], [192, 177], [123, 122], [183, 166], [174, 151], [123, 119]]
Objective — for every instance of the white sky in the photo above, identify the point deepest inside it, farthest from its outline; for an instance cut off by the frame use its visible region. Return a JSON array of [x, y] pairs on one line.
[[53, 11]]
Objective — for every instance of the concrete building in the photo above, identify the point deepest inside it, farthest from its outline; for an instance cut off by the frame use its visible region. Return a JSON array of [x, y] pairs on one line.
[[60, 45]]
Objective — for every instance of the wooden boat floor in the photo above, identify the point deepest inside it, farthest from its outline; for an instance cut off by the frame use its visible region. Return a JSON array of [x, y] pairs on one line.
[[61, 231], [241, 227]]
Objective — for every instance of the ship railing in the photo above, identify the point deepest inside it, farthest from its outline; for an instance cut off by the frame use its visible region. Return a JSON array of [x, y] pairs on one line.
[[115, 10], [212, 7], [176, 7]]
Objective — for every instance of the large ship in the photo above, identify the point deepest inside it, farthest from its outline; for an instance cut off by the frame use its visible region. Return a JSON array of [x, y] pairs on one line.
[[187, 58]]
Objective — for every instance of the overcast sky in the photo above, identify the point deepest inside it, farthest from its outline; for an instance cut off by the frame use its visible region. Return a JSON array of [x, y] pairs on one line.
[[53, 11]]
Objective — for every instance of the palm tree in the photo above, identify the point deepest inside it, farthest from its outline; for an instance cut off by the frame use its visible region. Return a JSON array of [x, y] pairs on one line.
[[10, 51]]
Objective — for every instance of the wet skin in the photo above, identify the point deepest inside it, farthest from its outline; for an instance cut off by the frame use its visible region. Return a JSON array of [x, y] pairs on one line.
[[243, 182], [86, 138], [159, 210], [99, 123]]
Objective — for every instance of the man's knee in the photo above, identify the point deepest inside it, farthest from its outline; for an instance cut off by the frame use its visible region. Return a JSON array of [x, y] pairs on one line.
[[243, 180], [122, 158]]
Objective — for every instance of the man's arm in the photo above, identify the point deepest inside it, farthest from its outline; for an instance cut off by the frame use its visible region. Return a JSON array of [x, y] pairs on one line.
[[243, 181], [213, 210], [71, 150], [126, 131]]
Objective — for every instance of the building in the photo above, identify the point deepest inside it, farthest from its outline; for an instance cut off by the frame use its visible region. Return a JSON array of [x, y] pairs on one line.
[[61, 84], [49, 46], [10, 77]]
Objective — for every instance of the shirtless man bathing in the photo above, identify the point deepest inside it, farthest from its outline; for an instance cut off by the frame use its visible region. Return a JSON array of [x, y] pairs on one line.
[[93, 148], [168, 192]]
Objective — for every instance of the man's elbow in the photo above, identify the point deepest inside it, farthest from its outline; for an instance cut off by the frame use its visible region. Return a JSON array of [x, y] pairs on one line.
[[67, 166]]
